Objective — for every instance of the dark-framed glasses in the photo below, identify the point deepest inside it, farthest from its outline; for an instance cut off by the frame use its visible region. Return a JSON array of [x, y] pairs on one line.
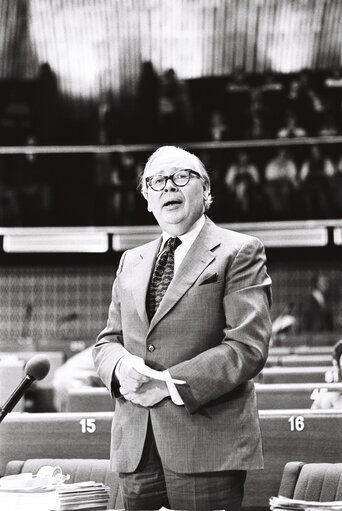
[[179, 178]]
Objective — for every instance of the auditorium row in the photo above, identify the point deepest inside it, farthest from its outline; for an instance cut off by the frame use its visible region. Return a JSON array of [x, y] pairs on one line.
[[293, 428]]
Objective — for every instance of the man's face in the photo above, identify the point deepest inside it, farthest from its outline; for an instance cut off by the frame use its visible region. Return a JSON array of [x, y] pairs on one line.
[[175, 208]]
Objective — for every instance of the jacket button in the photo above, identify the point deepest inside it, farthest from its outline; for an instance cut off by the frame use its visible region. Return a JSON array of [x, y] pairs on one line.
[[151, 348]]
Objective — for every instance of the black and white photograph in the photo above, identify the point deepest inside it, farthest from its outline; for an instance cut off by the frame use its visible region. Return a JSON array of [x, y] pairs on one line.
[[170, 255]]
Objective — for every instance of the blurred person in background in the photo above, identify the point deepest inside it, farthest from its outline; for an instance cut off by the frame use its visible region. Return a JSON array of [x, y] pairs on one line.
[[280, 185], [291, 129], [316, 177], [327, 398], [174, 111], [318, 315], [242, 180]]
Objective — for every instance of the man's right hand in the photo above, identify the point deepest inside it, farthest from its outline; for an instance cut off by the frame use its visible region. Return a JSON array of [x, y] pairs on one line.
[[127, 375]]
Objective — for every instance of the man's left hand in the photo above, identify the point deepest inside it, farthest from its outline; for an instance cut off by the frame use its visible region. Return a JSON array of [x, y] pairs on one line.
[[149, 394]]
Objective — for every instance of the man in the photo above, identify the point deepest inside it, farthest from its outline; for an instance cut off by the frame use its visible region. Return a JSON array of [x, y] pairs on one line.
[[185, 445]]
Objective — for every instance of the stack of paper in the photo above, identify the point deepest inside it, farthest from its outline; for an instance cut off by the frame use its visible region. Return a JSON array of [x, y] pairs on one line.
[[85, 495], [277, 503]]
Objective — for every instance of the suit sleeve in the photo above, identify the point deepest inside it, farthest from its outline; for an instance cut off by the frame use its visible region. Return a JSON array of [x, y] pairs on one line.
[[243, 351], [109, 345]]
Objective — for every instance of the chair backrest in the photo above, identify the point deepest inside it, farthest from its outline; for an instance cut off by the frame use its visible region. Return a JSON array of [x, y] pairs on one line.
[[320, 482], [79, 469]]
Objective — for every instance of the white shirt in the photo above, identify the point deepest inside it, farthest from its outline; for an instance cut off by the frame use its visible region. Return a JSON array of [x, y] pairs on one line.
[[187, 240]]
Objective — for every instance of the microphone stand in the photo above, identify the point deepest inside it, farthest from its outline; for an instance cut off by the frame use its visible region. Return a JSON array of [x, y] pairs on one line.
[[16, 396]]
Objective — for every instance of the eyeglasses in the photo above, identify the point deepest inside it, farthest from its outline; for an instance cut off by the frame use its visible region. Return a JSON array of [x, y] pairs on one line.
[[179, 178]]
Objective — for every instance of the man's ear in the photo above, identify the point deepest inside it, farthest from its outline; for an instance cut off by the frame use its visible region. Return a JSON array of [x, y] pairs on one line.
[[145, 195]]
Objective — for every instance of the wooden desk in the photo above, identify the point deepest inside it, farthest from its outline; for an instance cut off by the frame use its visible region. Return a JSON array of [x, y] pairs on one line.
[[60, 435], [318, 442], [302, 360], [274, 396], [293, 374], [88, 399], [54, 435]]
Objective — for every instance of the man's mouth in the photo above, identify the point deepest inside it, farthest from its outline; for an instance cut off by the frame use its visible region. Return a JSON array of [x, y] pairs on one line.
[[172, 202]]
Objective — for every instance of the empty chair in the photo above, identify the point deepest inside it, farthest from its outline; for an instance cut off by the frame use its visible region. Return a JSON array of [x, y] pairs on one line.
[[320, 482]]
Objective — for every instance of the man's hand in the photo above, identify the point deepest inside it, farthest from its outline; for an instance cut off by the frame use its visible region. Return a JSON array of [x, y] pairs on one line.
[[148, 394], [128, 377]]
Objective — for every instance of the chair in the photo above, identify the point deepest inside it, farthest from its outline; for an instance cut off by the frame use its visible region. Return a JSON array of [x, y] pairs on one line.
[[79, 469], [320, 482]]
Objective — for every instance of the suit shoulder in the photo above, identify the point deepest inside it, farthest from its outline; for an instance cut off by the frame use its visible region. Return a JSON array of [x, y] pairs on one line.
[[132, 253], [238, 239]]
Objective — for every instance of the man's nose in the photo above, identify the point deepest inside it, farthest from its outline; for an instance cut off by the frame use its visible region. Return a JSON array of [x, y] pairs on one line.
[[170, 185]]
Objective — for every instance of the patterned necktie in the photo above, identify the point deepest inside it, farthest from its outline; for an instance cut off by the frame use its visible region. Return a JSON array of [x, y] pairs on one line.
[[162, 276]]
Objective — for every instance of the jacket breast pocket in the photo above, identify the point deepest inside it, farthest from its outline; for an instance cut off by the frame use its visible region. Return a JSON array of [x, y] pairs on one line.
[[209, 287]]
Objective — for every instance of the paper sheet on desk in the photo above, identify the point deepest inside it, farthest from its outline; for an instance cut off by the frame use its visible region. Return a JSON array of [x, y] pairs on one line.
[[142, 368]]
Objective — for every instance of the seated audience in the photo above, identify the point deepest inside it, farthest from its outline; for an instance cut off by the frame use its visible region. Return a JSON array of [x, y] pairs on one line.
[[257, 117], [291, 128], [337, 189], [218, 128], [318, 315], [328, 398], [147, 102], [328, 126], [174, 116], [316, 178], [122, 191], [242, 180], [280, 185]]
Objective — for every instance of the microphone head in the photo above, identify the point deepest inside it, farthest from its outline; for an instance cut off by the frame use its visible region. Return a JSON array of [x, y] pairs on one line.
[[37, 367]]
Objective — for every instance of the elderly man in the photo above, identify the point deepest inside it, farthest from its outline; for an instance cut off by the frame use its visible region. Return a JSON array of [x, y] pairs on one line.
[[188, 329]]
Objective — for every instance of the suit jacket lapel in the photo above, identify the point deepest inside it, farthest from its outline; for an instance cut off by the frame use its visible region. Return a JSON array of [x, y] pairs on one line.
[[141, 276], [199, 256]]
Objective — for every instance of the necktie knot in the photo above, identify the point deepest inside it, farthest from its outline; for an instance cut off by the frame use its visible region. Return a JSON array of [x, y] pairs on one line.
[[172, 244]]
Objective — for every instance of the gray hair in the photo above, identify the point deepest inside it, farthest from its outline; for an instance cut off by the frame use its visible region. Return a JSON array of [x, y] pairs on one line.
[[171, 155]]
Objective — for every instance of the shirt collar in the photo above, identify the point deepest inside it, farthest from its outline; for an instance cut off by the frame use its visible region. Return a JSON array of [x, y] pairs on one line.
[[189, 237]]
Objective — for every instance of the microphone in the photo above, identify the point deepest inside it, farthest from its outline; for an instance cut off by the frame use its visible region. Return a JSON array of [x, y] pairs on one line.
[[36, 369]]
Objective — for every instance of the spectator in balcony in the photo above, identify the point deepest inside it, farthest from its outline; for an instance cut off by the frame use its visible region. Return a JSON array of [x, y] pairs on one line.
[[281, 185], [337, 188], [147, 102], [324, 398], [33, 186], [218, 128], [298, 99], [257, 117], [47, 106], [242, 180], [291, 128], [174, 117], [121, 194], [328, 127], [256, 126], [316, 177], [318, 315], [9, 201]]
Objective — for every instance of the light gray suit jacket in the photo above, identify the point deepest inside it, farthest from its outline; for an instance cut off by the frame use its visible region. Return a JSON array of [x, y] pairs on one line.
[[212, 330]]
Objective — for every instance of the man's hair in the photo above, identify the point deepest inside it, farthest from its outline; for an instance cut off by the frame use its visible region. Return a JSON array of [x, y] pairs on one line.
[[172, 155]]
